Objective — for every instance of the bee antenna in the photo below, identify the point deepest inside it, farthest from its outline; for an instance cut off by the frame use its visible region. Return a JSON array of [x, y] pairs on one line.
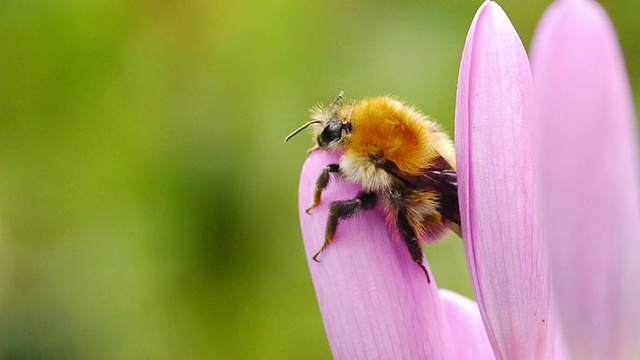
[[334, 105], [298, 130]]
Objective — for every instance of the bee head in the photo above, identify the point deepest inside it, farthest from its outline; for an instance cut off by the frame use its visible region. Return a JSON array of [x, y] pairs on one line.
[[332, 133], [328, 128]]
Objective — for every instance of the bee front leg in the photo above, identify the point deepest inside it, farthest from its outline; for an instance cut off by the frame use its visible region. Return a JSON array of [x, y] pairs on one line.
[[344, 209], [321, 184], [411, 240]]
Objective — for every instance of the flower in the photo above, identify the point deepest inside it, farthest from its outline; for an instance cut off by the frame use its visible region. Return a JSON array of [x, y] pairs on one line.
[[549, 193], [587, 160], [505, 251]]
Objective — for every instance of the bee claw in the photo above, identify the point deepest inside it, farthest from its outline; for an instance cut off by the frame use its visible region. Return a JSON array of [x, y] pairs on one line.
[[308, 210]]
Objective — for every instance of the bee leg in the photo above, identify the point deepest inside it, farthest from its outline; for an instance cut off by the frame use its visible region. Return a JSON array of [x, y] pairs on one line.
[[411, 240], [321, 184], [339, 210]]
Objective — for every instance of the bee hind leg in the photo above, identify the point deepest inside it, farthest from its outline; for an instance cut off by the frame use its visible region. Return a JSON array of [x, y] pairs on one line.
[[339, 210], [411, 240], [321, 184]]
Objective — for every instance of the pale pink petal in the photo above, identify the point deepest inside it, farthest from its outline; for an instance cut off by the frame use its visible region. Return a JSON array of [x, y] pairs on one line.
[[505, 252], [587, 153], [374, 300], [467, 330]]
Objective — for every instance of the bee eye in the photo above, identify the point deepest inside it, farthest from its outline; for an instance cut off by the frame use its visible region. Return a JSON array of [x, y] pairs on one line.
[[332, 131]]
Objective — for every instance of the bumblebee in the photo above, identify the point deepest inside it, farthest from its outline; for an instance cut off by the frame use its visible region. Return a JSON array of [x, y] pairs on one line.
[[402, 159]]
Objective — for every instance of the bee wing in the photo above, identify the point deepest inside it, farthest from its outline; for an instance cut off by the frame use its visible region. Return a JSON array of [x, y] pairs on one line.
[[437, 177], [445, 182]]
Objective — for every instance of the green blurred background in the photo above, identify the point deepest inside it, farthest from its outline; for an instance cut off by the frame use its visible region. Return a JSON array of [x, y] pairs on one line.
[[147, 200]]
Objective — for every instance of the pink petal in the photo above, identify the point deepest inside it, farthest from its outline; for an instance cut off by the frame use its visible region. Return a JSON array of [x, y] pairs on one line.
[[375, 301], [467, 330], [587, 153], [505, 252]]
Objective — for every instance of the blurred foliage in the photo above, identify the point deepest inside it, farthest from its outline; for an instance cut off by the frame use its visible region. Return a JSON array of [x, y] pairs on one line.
[[147, 202]]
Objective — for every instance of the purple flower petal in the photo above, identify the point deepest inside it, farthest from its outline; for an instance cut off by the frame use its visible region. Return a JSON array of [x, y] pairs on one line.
[[467, 330], [375, 301], [587, 153], [505, 252]]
